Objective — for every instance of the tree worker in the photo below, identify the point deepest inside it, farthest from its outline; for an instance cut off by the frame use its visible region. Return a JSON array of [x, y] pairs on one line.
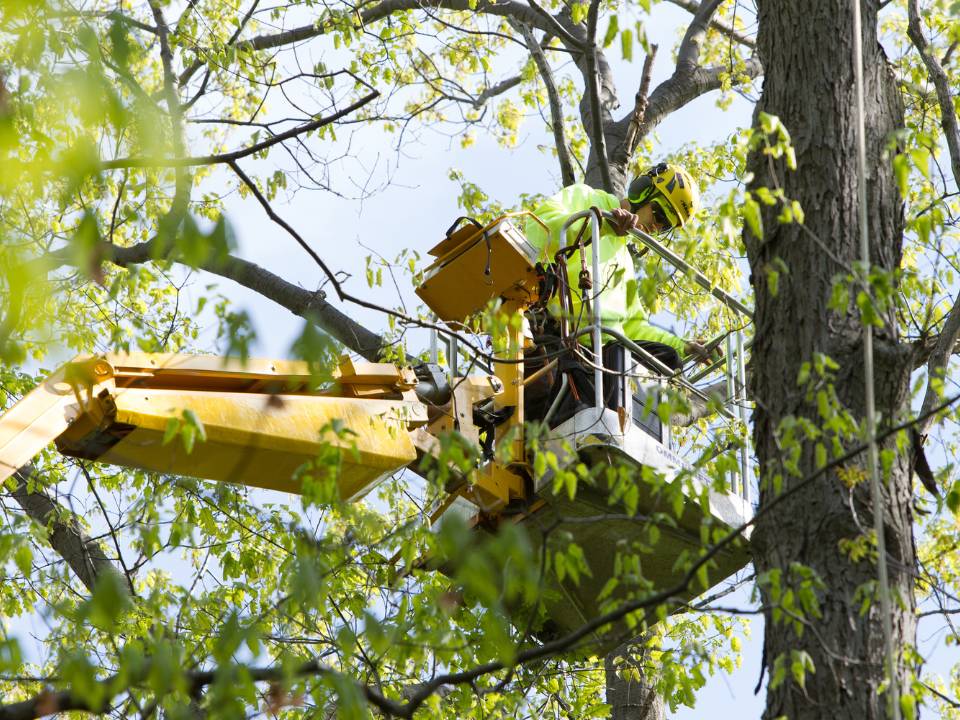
[[662, 198]]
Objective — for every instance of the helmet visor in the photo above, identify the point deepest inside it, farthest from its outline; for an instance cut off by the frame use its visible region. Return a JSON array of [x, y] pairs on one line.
[[663, 215]]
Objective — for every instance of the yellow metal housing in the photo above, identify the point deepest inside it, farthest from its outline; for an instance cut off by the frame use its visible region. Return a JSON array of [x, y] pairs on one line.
[[475, 266]]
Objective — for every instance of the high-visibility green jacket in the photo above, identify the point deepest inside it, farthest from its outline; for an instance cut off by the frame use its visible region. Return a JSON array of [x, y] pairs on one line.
[[620, 305]]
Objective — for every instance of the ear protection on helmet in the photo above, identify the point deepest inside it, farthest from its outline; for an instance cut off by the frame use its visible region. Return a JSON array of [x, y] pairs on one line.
[[642, 184]]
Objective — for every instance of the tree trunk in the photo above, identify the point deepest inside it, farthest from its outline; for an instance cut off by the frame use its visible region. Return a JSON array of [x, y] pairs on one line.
[[631, 699], [806, 50]]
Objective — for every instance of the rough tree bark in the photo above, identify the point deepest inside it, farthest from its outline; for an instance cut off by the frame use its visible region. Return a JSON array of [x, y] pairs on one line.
[[806, 52], [632, 699]]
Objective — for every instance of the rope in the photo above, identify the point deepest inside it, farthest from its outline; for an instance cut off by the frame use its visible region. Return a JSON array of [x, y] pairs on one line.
[[893, 704]]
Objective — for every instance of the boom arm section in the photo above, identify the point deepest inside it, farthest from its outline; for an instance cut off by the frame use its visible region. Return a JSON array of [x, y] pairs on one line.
[[263, 419]]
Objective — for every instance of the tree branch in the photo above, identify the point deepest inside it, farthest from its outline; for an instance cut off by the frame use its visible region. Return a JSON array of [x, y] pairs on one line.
[[640, 102], [556, 109], [950, 332], [143, 162], [592, 78], [948, 114], [496, 89], [307, 304], [504, 8], [189, 72], [688, 55], [676, 91], [83, 554], [939, 357], [694, 7]]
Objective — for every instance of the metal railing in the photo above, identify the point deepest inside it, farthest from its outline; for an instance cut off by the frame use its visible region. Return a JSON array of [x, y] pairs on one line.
[[732, 362]]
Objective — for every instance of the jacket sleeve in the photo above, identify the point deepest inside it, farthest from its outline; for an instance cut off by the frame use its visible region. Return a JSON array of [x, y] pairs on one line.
[[639, 329], [636, 326]]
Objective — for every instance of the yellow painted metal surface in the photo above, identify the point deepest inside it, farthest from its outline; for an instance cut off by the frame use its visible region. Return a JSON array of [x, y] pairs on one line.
[[261, 418], [255, 439], [39, 417], [476, 266]]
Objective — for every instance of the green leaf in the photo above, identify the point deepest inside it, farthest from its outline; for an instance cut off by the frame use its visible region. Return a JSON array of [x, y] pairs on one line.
[[921, 160], [626, 45], [578, 13], [868, 312], [109, 601], [953, 499], [901, 170], [612, 28], [908, 706], [751, 214], [23, 557], [171, 430]]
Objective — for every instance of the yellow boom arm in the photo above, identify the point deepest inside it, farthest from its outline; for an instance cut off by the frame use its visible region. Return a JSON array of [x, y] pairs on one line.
[[262, 419]]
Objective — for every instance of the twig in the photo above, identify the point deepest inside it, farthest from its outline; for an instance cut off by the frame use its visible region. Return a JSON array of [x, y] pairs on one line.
[[143, 162]]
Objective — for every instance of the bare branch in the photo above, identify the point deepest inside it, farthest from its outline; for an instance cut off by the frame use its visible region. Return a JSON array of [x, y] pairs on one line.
[[694, 7], [496, 89], [640, 103], [83, 554], [556, 109], [227, 158], [592, 77], [688, 55]]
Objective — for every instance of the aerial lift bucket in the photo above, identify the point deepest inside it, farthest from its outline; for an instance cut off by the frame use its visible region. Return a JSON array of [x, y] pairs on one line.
[[476, 265]]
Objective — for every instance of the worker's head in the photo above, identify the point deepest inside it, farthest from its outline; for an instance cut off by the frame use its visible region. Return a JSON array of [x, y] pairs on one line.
[[667, 194]]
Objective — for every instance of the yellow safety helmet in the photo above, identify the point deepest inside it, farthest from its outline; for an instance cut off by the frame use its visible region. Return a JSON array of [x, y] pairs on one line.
[[670, 183]]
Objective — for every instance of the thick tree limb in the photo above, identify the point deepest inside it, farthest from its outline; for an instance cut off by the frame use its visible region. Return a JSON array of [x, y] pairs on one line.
[[694, 7], [83, 554], [688, 55], [592, 80], [307, 304], [688, 82], [675, 92], [556, 109]]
